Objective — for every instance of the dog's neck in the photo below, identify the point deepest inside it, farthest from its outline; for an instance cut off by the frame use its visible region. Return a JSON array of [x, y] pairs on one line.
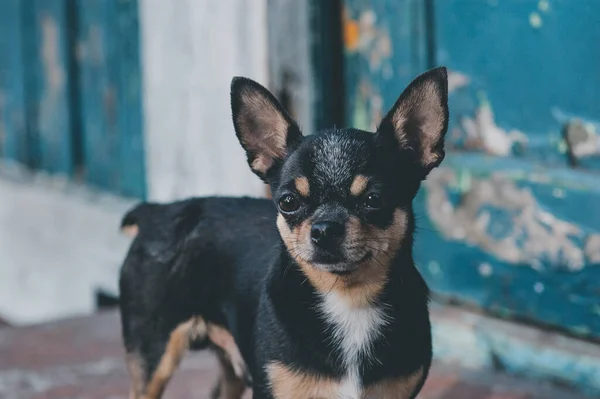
[[287, 275], [328, 323], [292, 292]]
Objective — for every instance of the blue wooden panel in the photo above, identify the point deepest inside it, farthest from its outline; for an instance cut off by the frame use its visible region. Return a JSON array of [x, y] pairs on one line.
[[132, 180], [385, 45], [533, 63], [516, 231], [327, 63], [519, 240], [110, 95], [521, 70], [97, 96], [46, 67], [13, 134]]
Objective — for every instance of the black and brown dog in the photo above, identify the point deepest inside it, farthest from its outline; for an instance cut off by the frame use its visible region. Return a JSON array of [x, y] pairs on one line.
[[312, 295]]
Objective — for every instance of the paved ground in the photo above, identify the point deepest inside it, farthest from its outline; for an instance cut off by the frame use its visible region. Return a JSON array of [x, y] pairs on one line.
[[82, 359]]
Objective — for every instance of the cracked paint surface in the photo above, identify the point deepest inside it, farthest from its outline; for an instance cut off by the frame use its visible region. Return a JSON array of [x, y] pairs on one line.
[[483, 134], [379, 54], [519, 241], [507, 222], [513, 214]]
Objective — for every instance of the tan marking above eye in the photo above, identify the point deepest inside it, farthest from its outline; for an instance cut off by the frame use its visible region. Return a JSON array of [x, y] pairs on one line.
[[359, 185], [302, 186]]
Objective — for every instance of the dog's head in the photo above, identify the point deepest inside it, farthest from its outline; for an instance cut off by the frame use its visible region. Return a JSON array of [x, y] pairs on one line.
[[344, 195]]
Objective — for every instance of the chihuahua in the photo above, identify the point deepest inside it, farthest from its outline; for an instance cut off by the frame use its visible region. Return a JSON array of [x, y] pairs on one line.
[[313, 295]]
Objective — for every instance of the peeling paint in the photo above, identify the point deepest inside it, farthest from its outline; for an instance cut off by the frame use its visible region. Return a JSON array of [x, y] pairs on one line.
[[434, 267], [592, 248], [95, 46], [351, 32], [483, 133], [506, 221], [50, 54], [582, 140], [50, 115], [580, 136], [535, 20], [456, 80], [365, 37], [3, 121], [558, 193], [362, 35], [368, 107], [539, 287], [485, 269]]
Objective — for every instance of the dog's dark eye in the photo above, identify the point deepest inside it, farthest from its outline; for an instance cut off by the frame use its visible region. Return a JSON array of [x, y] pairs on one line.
[[373, 201], [288, 203]]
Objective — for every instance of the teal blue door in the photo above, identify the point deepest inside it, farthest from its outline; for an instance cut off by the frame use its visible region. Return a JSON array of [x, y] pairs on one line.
[[511, 222], [70, 90]]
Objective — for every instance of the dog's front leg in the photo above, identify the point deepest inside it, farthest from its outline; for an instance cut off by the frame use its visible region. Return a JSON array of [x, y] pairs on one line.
[[229, 384]]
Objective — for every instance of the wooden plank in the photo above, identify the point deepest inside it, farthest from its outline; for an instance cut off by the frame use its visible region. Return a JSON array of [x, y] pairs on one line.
[[515, 239], [327, 58], [385, 47], [132, 174], [510, 236], [110, 95], [191, 50], [13, 134], [291, 72], [46, 66], [97, 96], [480, 342], [529, 64]]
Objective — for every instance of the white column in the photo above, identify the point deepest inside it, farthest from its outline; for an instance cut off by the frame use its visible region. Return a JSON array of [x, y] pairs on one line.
[[190, 51]]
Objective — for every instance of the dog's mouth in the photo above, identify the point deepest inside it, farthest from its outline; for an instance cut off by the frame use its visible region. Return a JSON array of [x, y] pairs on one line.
[[344, 268], [346, 272]]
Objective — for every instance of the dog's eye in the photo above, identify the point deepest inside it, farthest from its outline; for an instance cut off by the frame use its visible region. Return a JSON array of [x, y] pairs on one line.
[[288, 203], [373, 201]]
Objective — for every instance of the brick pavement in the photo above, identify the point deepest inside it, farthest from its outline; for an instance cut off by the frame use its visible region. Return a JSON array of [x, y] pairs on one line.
[[83, 359]]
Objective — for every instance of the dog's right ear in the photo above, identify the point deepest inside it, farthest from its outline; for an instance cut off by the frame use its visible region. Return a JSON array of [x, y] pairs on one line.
[[264, 128]]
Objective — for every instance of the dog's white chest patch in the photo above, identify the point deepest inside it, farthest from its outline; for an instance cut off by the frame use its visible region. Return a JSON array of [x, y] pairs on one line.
[[354, 329]]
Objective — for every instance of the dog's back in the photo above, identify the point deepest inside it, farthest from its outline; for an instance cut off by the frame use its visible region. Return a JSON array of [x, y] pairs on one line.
[[185, 263]]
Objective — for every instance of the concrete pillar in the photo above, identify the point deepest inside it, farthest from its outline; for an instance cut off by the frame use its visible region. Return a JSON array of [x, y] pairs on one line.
[[190, 51]]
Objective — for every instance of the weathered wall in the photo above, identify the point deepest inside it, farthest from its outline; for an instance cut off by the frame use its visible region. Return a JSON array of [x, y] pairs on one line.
[[58, 245], [190, 51], [70, 96], [513, 211], [290, 69]]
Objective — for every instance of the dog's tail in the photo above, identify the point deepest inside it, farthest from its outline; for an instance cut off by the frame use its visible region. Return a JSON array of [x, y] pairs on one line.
[[130, 224]]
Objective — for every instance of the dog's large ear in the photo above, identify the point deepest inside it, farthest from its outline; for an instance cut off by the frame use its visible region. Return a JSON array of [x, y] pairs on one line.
[[419, 119], [264, 128]]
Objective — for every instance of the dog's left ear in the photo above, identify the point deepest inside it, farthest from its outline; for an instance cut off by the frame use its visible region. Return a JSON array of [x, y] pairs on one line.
[[419, 119], [264, 128]]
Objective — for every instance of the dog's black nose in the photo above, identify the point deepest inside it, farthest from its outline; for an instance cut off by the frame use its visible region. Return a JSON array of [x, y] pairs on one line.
[[327, 234]]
